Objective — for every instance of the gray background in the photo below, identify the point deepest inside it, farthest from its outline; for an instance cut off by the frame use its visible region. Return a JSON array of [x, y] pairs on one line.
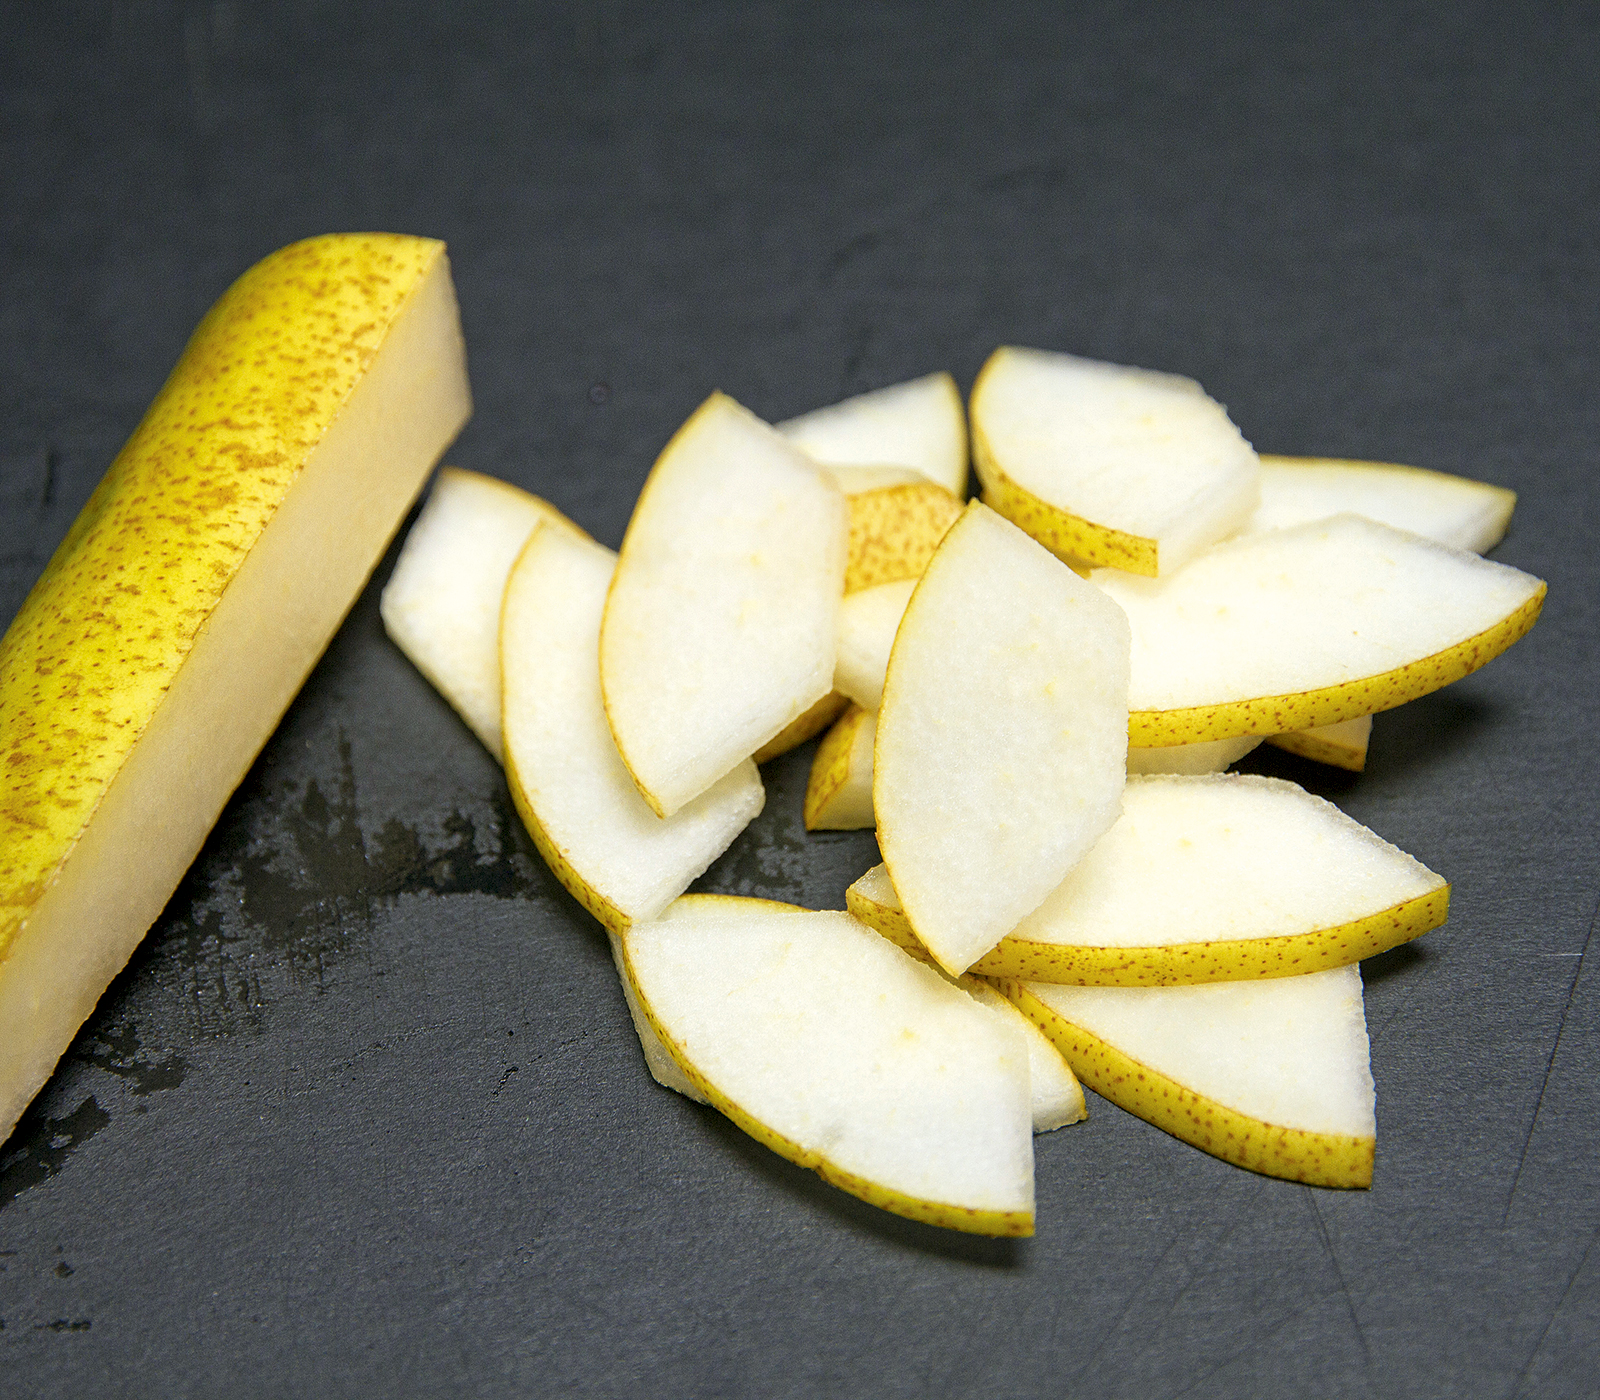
[[365, 1114]]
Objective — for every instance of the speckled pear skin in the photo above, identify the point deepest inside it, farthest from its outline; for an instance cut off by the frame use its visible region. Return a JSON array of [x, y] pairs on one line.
[[107, 627]]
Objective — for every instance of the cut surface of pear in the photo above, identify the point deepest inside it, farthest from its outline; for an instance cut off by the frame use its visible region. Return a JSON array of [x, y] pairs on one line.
[[920, 424], [198, 587], [868, 621], [830, 1046], [1453, 510], [839, 792], [1270, 1075], [1054, 1091], [1308, 626], [441, 606], [1204, 879], [1210, 757], [1109, 465], [894, 531], [720, 627], [1342, 745], [612, 853], [1002, 742]]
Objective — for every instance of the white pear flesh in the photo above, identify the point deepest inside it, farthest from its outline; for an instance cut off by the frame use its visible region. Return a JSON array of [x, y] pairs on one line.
[[868, 621], [1106, 464], [441, 606], [619, 859], [1202, 879], [839, 790], [830, 1046], [721, 623], [921, 424], [1210, 757], [855, 480], [1270, 1075], [1002, 742], [1308, 626], [1342, 745], [1054, 1091], [1454, 510]]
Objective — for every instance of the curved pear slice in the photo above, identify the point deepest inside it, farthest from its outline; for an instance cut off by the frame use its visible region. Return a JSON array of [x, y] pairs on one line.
[[829, 1046], [894, 531], [1273, 1076], [1298, 628], [1342, 745], [1454, 510], [808, 726], [1212, 757], [1002, 741], [1054, 1091], [441, 606], [612, 853], [839, 792], [868, 621], [720, 625], [1106, 464], [920, 424], [1206, 879]]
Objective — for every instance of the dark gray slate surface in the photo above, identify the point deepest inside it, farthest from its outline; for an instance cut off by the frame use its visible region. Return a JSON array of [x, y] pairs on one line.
[[364, 1115]]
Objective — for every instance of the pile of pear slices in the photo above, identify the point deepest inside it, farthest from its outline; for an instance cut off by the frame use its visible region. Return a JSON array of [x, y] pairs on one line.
[[1032, 700]]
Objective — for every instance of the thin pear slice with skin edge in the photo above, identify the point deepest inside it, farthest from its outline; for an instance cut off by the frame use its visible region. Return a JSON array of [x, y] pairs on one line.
[[1228, 877], [1109, 465], [1272, 1076], [1192, 758], [1342, 745], [193, 595], [829, 1046], [1054, 1092], [441, 606], [1002, 742], [1299, 628], [720, 626], [921, 424], [868, 621], [610, 851], [1453, 510], [894, 531], [839, 791]]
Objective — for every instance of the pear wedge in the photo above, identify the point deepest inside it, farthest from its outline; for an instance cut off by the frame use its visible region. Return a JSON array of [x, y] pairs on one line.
[[808, 726], [1342, 745], [441, 606], [868, 621], [195, 592], [1206, 879], [831, 1047], [1453, 510], [1109, 465], [720, 624], [839, 792], [611, 852], [1308, 626], [1272, 1075], [894, 531], [1002, 742], [920, 424]]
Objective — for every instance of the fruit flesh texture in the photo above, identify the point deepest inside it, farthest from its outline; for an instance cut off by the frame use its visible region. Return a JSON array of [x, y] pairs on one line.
[[193, 595], [868, 622], [570, 786], [843, 1055], [1002, 742], [720, 625], [441, 606], [1106, 464]]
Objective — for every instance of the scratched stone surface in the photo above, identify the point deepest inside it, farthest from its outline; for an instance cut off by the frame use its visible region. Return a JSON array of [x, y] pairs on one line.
[[364, 1114]]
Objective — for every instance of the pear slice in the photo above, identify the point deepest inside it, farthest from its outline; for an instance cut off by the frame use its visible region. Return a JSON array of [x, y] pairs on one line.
[[720, 625], [1453, 510], [612, 853], [854, 480], [808, 726], [1109, 465], [1055, 1095], [1002, 742], [829, 1046], [1207, 879], [868, 621], [1210, 757], [919, 424], [1342, 745], [192, 597], [1302, 627], [894, 531], [1273, 1075], [839, 792], [441, 606]]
